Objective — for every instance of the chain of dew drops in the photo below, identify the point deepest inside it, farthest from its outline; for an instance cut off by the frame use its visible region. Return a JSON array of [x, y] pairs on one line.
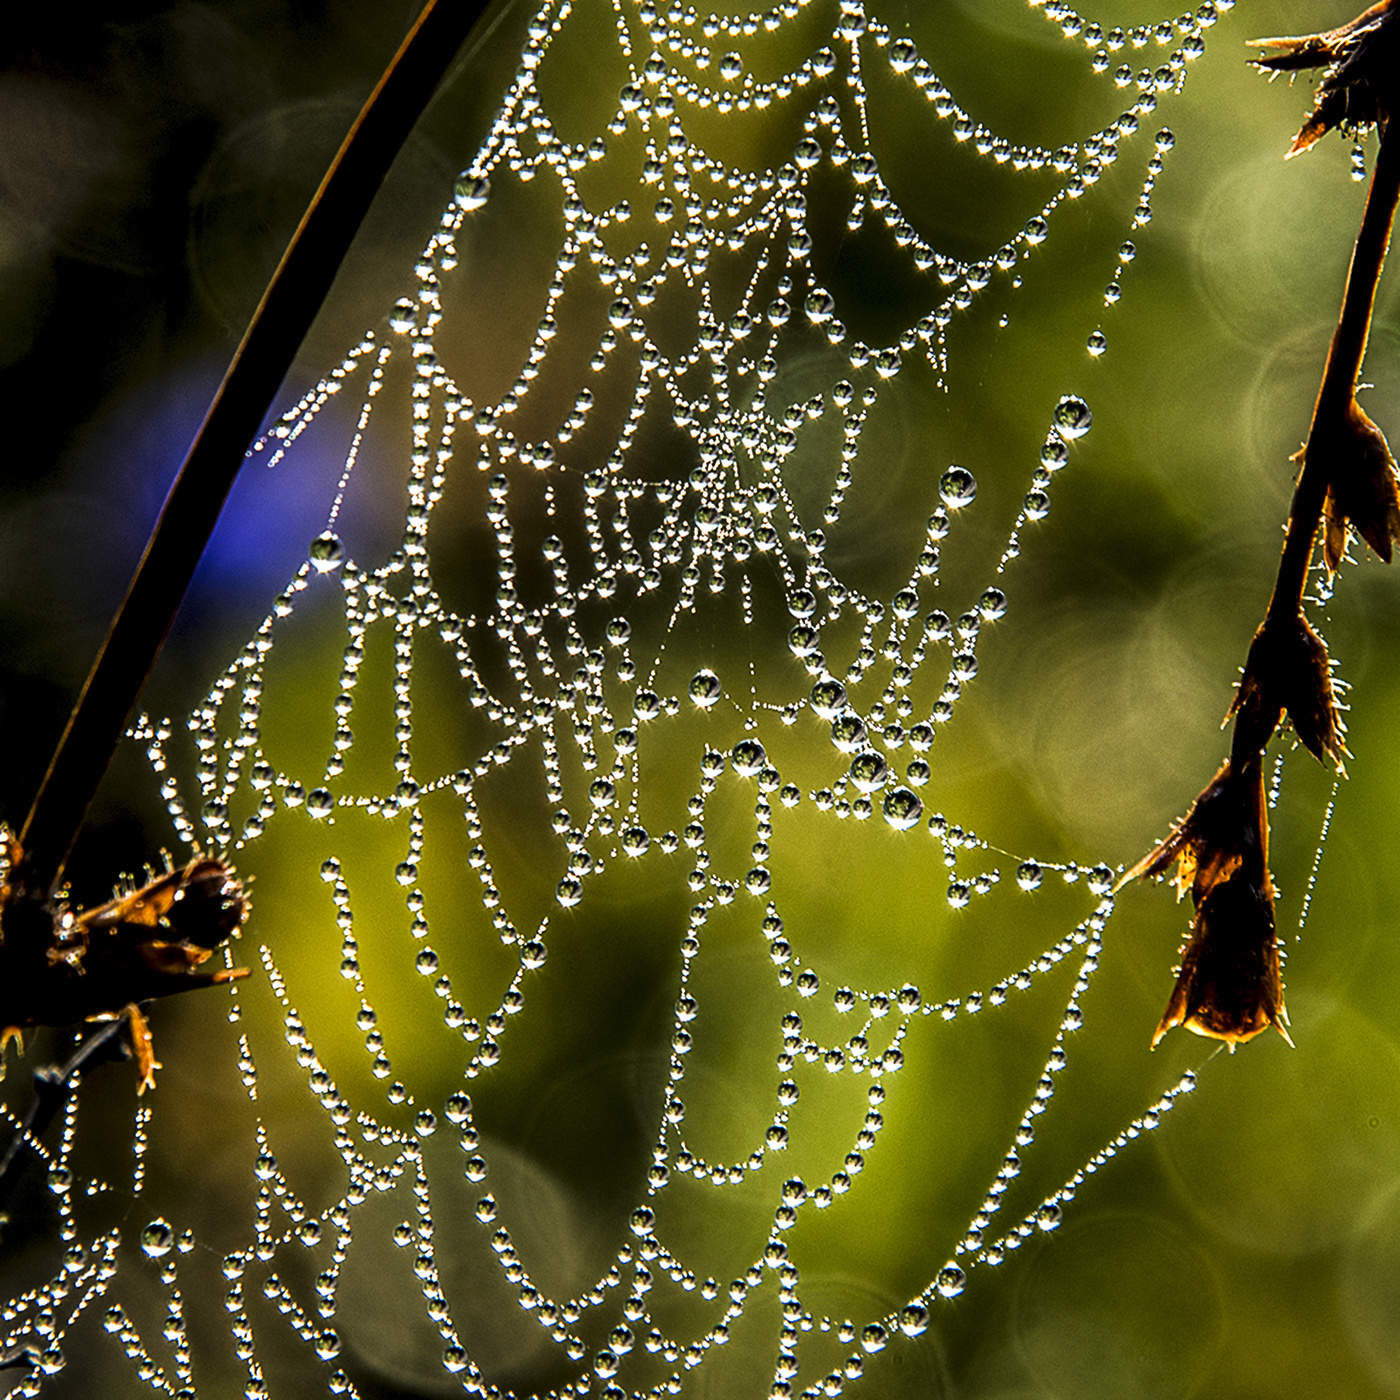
[[576, 699]]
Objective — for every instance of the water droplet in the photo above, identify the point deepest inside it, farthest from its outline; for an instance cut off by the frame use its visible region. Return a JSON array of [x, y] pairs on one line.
[[902, 808], [1072, 418], [848, 733], [157, 1239], [913, 1319], [471, 192], [951, 1281], [705, 688], [1029, 875], [748, 757], [1100, 879], [1037, 505], [873, 1337], [320, 803], [635, 840], [992, 604], [828, 698], [958, 487], [326, 553], [869, 771]]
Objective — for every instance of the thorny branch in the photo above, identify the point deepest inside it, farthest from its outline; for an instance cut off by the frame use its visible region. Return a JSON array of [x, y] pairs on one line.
[[1229, 985]]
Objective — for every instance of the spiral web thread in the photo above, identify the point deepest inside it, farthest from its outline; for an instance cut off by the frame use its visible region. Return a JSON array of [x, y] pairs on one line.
[[577, 671]]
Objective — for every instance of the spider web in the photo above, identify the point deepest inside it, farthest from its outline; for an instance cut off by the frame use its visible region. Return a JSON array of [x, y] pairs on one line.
[[552, 1080]]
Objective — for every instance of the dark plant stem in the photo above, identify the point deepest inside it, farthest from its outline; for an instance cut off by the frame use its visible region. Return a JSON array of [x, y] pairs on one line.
[[1339, 375], [187, 520], [53, 1086]]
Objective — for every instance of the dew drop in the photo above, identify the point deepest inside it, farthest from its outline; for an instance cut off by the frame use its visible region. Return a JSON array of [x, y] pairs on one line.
[[951, 1281], [1037, 505], [157, 1239], [1029, 875], [320, 803], [868, 771], [828, 698], [748, 757], [471, 192], [1072, 418], [705, 688], [958, 487], [902, 808], [913, 1319], [326, 553]]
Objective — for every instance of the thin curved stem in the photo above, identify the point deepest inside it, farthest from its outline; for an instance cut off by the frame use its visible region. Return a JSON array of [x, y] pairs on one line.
[[187, 520], [1339, 375]]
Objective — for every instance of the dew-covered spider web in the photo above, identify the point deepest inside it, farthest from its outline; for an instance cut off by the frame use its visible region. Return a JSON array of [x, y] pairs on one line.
[[631, 857]]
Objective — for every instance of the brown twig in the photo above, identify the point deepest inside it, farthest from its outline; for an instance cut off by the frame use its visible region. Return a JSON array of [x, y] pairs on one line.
[[187, 520], [1337, 392], [1228, 985]]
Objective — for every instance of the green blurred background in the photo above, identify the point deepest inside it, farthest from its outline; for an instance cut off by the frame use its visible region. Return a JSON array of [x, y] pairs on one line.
[[155, 158]]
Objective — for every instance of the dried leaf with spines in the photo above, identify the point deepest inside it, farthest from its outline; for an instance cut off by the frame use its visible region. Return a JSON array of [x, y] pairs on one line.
[[1361, 58], [1230, 986], [1288, 670], [1363, 488], [1222, 829]]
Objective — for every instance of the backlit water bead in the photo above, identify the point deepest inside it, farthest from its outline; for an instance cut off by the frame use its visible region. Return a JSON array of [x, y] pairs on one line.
[[869, 770], [705, 688], [848, 733], [958, 487], [748, 757], [828, 698], [157, 1239], [951, 1281], [320, 803], [1072, 418], [902, 808], [913, 1319], [471, 192], [1029, 875], [635, 840], [326, 553]]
